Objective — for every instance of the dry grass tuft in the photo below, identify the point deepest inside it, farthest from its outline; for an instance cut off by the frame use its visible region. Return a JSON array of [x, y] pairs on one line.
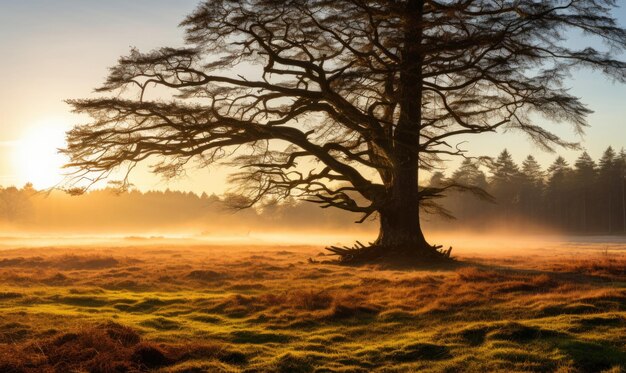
[[472, 274]]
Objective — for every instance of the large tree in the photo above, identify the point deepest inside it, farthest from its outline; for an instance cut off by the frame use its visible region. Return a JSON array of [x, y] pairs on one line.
[[345, 102]]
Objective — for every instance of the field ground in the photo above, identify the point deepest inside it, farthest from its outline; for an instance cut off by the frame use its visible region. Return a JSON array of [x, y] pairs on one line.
[[177, 308]]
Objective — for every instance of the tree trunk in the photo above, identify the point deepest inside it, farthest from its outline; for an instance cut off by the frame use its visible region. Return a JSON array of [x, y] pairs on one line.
[[400, 228], [401, 239]]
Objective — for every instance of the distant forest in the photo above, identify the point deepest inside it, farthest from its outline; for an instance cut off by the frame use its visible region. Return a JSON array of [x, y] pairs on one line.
[[108, 211], [587, 197]]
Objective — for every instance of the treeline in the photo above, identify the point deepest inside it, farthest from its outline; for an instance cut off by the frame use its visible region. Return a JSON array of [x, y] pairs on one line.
[[156, 211], [587, 197]]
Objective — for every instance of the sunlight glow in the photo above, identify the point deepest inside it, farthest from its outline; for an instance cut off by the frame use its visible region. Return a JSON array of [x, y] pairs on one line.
[[36, 155]]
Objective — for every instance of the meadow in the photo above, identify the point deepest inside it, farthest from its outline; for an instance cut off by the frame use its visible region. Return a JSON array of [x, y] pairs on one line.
[[207, 308]]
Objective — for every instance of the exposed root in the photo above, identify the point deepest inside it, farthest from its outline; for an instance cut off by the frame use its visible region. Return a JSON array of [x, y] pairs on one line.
[[375, 253]]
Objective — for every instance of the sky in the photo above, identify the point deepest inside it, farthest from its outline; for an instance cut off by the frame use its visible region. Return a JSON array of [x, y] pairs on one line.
[[55, 50]]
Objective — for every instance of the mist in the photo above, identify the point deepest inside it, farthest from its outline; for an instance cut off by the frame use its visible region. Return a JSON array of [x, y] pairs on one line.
[[30, 218]]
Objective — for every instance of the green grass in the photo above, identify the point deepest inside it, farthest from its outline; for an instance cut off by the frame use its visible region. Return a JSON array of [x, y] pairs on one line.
[[212, 309]]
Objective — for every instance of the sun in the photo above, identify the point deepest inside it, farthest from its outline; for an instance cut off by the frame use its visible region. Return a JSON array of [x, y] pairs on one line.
[[37, 158]]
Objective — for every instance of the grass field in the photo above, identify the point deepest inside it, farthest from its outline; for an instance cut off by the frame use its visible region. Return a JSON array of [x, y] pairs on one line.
[[175, 308]]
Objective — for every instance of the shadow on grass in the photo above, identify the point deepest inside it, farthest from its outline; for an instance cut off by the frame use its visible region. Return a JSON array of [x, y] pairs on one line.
[[592, 356], [584, 356], [253, 337]]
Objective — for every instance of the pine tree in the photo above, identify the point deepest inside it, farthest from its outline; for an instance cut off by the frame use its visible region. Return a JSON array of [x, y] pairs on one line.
[[531, 187], [557, 193], [607, 160], [585, 174], [558, 170], [608, 188], [470, 174], [437, 179], [531, 171], [464, 206], [504, 168], [505, 186]]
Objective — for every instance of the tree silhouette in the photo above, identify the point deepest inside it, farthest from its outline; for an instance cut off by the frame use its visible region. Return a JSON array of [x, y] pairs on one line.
[[584, 178], [531, 187], [610, 183], [557, 189], [469, 173], [505, 181], [344, 102], [579, 200], [15, 203]]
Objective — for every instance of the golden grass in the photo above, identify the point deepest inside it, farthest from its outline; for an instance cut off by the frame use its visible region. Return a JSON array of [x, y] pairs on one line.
[[194, 309]]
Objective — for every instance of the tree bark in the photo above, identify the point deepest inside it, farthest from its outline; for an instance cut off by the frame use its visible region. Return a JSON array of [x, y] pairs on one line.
[[399, 218], [400, 229]]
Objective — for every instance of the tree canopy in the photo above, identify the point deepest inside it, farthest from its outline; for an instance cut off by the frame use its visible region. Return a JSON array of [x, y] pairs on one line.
[[343, 102]]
